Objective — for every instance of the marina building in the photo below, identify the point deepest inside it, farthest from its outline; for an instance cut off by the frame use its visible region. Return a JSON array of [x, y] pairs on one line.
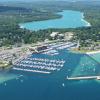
[[38, 49], [56, 35]]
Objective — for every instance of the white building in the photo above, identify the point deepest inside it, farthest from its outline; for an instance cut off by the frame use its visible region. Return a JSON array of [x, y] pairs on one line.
[[54, 34]]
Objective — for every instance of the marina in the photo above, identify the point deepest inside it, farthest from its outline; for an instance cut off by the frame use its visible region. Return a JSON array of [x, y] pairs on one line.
[[34, 62], [49, 58], [40, 64], [62, 45], [53, 58], [49, 50], [42, 71]]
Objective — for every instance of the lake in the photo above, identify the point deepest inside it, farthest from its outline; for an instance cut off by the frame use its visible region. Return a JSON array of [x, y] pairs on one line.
[[69, 19], [18, 85], [35, 86]]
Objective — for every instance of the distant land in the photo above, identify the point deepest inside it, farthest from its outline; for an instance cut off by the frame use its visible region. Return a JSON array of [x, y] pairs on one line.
[[13, 13], [46, 0]]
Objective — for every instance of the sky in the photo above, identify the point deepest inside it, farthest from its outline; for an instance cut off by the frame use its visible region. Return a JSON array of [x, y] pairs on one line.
[[46, 0], [49, 0]]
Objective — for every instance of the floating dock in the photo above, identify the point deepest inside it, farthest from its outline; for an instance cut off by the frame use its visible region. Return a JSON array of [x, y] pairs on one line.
[[28, 70], [84, 78], [39, 65]]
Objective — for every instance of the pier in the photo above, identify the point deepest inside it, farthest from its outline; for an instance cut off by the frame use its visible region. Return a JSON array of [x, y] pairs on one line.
[[84, 78], [28, 70]]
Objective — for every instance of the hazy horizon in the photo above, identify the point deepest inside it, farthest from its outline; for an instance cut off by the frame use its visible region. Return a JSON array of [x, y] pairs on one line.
[[42, 0]]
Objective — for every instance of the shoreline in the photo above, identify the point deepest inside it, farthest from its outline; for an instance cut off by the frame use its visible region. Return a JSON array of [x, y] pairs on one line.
[[93, 52], [21, 25], [86, 52], [87, 23]]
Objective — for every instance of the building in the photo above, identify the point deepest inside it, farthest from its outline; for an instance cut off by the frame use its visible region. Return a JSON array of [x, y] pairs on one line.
[[60, 36], [69, 35], [53, 35], [56, 35], [38, 49]]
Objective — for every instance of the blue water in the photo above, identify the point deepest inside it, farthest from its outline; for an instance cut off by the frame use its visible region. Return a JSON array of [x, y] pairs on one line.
[[69, 19], [96, 57], [49, 87]]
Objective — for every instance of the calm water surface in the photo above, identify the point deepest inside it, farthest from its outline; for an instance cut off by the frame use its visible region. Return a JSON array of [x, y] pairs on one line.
[[35, 86], [70, 19], [50, 87]]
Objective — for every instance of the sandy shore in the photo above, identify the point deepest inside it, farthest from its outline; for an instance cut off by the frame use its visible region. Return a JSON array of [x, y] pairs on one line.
[[93, 52], [87, 23], [21, 26]]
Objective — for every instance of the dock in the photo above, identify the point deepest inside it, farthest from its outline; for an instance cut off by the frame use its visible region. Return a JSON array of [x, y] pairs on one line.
[[28, 70], [84, 78]]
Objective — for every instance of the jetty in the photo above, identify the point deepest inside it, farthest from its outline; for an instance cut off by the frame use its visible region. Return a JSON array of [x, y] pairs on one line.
[[84, 78]]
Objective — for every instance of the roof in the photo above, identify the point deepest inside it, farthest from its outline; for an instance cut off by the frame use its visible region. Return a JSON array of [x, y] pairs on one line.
[[53, 34]]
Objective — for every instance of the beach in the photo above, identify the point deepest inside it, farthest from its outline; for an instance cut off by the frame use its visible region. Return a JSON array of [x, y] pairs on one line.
[[87, 23], [93, 52]]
